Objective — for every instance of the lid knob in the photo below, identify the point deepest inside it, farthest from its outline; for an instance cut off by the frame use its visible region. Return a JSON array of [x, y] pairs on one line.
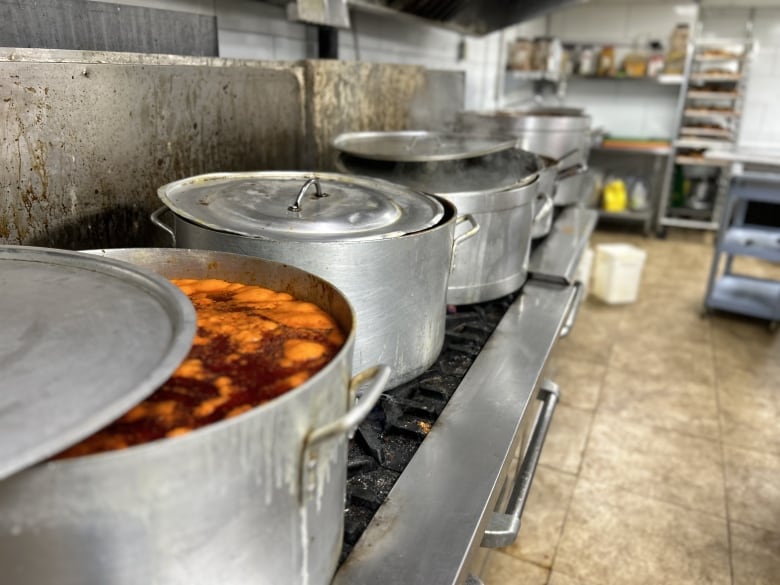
[[296, 206]]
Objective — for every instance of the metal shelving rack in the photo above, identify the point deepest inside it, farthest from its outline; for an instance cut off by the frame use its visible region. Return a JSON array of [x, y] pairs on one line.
[[708, 116], [756, 297]]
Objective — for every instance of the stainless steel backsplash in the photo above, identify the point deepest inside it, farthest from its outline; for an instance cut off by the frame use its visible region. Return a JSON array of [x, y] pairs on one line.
[[86, 138]]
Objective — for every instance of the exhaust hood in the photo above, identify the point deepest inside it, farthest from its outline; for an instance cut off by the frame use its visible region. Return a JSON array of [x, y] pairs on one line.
[[473, 17]]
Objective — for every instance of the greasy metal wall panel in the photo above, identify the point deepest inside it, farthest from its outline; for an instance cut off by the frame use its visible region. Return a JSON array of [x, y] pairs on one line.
[[84, 146], [99, 26], [350, 96]]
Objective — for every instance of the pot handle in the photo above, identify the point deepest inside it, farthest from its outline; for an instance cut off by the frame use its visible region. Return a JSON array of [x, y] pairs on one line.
[[377, 377], [571, 170], [542, 215], [296, 206], [468, 234], [155, 217]]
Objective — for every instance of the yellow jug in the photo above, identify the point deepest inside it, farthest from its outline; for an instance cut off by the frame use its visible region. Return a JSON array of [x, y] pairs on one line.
[[615, 196]]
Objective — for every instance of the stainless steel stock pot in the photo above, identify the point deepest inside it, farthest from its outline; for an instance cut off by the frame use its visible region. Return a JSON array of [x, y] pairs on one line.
[[508, 193], [388, 248], [254, 499]]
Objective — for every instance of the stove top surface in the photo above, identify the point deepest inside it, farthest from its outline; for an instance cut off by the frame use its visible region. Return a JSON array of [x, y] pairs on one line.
[[386, 441]]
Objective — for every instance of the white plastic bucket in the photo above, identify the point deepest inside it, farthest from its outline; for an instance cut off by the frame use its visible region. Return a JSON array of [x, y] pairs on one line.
[[618, 272]]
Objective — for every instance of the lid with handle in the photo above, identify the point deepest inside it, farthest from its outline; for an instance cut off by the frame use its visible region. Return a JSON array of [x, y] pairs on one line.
[[83, 340], [508, 169], [301, 206], [419, 145]]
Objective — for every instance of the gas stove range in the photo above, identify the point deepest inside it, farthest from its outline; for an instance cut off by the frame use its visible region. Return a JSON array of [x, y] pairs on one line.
[[439, 471]]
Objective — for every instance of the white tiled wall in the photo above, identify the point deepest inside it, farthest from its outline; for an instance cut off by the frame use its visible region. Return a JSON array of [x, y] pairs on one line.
[[380, 39], [625, 108], [249, 29], [255, 30]]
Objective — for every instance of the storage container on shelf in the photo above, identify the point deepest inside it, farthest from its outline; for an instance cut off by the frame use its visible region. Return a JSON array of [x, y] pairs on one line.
[[618, 272]]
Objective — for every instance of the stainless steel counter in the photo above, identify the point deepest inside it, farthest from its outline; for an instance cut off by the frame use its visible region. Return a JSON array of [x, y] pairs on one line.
[[557, 258], [430, 527]]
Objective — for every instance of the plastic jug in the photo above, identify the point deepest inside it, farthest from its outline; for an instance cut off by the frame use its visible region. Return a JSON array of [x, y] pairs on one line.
[[615, 196]]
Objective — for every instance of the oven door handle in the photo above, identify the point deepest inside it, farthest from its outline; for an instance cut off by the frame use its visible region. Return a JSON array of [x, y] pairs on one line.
[[571, 316], [503, 528]]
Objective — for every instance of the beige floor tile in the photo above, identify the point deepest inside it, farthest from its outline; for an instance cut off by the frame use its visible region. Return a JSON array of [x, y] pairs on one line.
[[745, 343], [661, 401], [731, 329], [681, 321], [503, 569], [672, 285], [580, 381], [755, 358], [561, 579], [566, 439], [592, 337], [612, 537], [543, 517], [650, 353], [755, 555], [753, 487], [666, 465], [749, 410], [756, 267]]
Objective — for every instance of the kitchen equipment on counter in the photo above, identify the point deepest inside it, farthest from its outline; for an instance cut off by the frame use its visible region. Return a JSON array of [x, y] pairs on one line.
[[501, 191], [255, 498], [419, 145], [387, 247], [607, 66], [586, 62], [559, 133], [546, 55], [519, 55]]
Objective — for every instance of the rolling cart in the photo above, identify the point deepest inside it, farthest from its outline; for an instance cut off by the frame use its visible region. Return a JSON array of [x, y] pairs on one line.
[[747, 295]]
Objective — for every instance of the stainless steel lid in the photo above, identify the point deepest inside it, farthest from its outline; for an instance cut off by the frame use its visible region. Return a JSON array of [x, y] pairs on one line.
[[509, 169], [83, 339], [418, 145], [301, 206], [539, 119]]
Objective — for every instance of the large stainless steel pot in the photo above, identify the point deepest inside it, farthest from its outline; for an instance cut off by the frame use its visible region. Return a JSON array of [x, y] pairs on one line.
[[558, 133], [254, 499], [397, 283], [501, 191]]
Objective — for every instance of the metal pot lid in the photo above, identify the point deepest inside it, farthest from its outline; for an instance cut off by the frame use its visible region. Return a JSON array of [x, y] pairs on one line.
[[83, 340], [544, 111], [553, 119], [508, 169], [418, 145], [301, 206]]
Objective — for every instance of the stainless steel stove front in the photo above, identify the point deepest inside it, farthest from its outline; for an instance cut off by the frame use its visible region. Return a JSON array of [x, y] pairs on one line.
[[464, 489]]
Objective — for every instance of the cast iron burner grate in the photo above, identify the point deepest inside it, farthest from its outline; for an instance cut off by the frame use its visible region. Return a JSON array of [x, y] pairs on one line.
[[385, 442]]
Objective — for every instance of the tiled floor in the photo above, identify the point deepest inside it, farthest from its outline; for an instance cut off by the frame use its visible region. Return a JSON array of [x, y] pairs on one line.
[[662, 465]]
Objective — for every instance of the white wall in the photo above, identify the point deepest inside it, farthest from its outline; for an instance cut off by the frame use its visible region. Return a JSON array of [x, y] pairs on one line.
[[254, 30], [624, 108], [249, 29]]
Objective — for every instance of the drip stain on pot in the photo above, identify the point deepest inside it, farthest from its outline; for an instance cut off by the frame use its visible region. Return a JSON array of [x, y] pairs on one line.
[[387, 439]]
